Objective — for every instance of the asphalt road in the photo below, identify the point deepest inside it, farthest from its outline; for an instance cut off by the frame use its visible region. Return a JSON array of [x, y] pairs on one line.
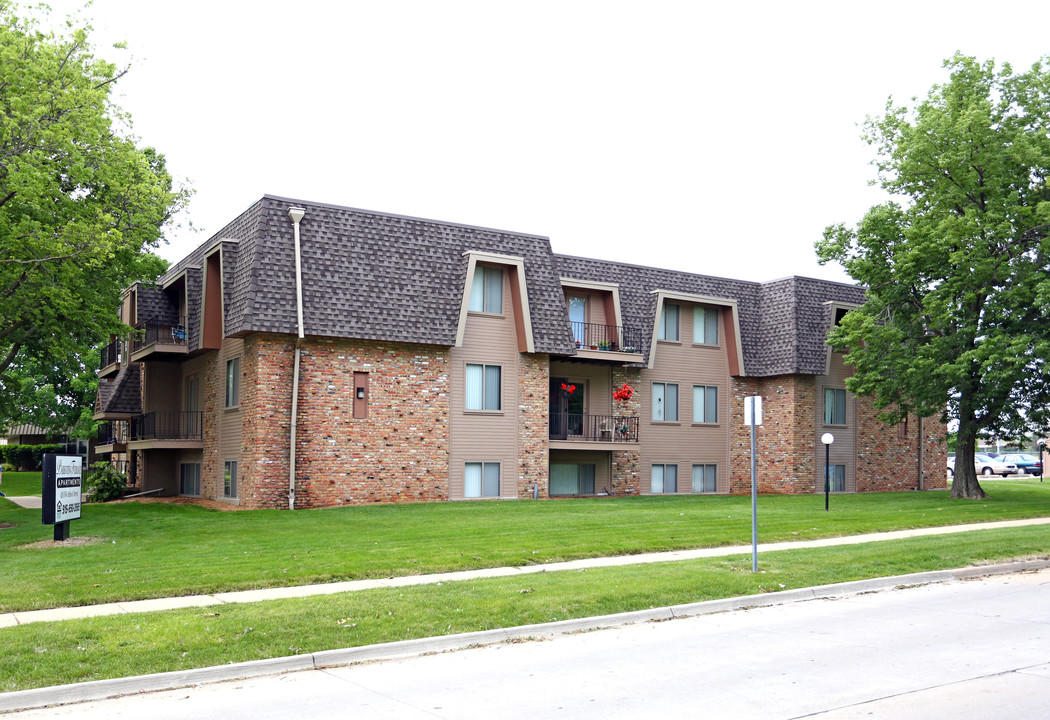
[[971, 649]]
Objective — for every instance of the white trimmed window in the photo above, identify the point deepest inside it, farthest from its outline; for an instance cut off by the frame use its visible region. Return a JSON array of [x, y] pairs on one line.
[[834, 406], [705, 478], [233, 382], [668, 329], [486, 291], [481, 479], [190, 479], [664, 479], [483, 387], [705, 325], [705, 404], [229, 479], [665, 402]]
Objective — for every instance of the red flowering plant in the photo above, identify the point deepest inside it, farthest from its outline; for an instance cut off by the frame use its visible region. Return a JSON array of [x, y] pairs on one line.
[[568, 389], [623, 394]]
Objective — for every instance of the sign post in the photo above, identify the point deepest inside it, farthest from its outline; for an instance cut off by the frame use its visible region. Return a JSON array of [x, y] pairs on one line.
[[63, 484], [753, 417]]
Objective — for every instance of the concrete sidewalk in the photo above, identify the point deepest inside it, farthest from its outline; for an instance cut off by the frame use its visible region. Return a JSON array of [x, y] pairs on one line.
[[33, 502], [280, 593]]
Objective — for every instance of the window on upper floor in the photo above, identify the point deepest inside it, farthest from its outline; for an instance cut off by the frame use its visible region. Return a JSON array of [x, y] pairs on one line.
[[705, 404], [705, 325], [483, 387], [668, 329], [233, 382], [486, 291], [834, 406], [578, 318], [665, 402]]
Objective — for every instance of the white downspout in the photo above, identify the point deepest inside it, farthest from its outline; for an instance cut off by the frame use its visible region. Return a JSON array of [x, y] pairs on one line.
[[296, 214]]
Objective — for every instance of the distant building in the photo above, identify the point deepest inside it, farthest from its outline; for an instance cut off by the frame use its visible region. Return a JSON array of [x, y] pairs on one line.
[[439, 361]]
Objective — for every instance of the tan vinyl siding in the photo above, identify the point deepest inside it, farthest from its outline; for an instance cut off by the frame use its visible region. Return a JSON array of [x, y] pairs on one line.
[[485, 436], [162, 386], [229, 427], [596, 380], [844, 449], [684, 443]]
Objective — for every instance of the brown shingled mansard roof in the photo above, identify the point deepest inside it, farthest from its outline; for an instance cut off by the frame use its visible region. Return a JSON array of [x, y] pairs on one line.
[[378, 276]]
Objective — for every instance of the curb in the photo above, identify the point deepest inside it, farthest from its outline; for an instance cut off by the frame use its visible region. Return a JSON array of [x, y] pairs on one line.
[[102, 689]]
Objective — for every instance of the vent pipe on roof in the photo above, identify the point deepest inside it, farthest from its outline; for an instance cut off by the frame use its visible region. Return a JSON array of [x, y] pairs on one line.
[[296, 214]]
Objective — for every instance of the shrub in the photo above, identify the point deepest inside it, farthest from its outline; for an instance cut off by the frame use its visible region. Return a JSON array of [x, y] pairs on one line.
[[104, 482], [28, 457]]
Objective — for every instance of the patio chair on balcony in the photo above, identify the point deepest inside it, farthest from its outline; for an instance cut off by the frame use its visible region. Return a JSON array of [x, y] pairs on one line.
[[178, 334]]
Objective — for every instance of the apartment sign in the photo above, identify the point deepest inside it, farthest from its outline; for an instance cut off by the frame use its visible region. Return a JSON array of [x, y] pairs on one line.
[[63, 485]]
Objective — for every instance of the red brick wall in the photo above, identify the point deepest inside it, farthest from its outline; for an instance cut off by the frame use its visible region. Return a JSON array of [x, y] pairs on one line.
[[398, 453], [212, 406], [888, 458], [785, 440], [626, 464], [534, 407]]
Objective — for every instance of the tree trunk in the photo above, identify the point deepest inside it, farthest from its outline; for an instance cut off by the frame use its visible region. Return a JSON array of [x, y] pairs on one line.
[[964, 484]]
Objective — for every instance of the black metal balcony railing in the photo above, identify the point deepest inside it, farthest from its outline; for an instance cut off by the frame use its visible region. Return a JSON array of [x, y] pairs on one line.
[[112, 433], [594, 428], [110, 355], [592, 336], [154, 331], [167, 425]]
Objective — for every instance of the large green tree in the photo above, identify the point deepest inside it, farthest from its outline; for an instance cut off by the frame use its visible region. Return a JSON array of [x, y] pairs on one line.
[[955, 322], [81, 206]]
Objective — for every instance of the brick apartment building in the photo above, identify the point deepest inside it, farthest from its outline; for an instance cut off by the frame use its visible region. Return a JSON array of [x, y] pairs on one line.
[[418, 360]]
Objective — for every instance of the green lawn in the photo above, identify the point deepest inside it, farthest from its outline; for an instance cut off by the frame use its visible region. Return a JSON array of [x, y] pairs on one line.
[[43, 654], [151, 550], [21, 483]]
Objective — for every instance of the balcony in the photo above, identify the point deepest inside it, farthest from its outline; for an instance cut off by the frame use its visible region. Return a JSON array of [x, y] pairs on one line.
[[158, 339], [167, 429], [112, 437], [109, 360], [615, 343], [606, 432]]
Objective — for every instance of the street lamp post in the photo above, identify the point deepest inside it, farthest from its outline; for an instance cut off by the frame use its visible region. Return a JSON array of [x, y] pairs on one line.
[[827, 439], [1042, 446]]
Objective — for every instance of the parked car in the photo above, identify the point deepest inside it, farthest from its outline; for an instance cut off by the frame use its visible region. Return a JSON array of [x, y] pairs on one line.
[[951, 465], [1026, 464], [986, 465]]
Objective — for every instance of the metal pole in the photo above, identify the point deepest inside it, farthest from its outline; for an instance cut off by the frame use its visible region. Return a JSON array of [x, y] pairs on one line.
[[754, 493], [827, 475]]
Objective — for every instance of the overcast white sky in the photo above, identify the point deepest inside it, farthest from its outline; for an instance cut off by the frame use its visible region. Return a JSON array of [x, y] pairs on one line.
[[718, 138]]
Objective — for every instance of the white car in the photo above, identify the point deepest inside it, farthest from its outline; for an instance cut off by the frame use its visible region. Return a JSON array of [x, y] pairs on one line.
[[986, 465]]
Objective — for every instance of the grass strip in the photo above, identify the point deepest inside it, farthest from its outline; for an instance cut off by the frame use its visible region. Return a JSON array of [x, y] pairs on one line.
[[21, 483], [44, 654], [145, 550]]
